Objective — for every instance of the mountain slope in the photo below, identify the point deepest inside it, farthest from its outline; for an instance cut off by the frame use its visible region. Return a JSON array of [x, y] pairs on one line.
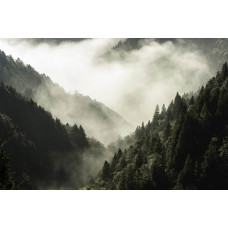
[[96, 118], [184, 147], [44, 153], [215, 50]]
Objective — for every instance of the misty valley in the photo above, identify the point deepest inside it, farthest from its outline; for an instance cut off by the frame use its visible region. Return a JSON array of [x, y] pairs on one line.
[[113, 114]]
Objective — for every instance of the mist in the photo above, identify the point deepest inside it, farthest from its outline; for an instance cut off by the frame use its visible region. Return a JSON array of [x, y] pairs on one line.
[[100, 89], [131, 81]]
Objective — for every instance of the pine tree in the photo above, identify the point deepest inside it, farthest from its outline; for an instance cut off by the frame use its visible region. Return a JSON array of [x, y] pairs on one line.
[[224, 72], [186, 177], [106, 171], [122, 162], [156, 115], [82, 131], [119, 154], [163, 112], [7, 180], [139, 159], [167, 130], [169, 113], [192, 100], [177, 106], [210, 164], [75, 129], [114, 163]]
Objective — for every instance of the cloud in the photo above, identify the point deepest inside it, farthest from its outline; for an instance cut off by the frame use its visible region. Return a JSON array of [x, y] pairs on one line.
[[50, 41], [130, 81]]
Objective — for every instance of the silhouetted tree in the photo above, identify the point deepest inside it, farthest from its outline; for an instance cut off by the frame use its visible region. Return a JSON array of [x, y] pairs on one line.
[[106, 171]]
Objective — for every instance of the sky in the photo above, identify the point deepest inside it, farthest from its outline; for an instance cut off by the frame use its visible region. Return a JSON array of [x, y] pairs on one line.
[[130, 79]]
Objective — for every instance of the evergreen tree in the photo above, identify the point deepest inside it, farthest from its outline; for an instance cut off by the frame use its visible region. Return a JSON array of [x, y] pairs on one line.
[[167, 130], [192, 100], [178, 106], [106, 171], [82, 131], [186, 178], [224, 72], [122, 162], [156, 116], [114, 163], [119, 154], [139, 159], [163, 112], [7, 181], [169, 113]]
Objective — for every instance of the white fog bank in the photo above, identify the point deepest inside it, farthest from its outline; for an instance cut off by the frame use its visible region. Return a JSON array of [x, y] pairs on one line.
[[131, 82]]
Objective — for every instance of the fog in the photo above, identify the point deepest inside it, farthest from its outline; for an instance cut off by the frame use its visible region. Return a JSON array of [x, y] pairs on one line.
[[129, 80]]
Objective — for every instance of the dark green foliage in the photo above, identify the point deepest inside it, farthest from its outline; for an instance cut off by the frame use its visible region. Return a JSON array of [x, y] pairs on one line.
[[192, 101], [167, 130], [186, 177], [163, 112], [106, 171], [224, 72], [40, 148], [169, 115], [7, 180], [184, 147], [156, 116]]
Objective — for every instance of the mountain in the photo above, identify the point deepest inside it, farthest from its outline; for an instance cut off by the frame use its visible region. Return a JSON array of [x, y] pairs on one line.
[[184, 147], [214, 49], [96, 118], [38, 151]]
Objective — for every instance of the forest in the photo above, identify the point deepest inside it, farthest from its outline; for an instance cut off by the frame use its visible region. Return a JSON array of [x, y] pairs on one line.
[[37, 150], [183, 146]]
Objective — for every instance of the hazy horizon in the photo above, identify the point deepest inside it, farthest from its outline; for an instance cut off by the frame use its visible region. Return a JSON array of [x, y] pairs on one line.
[[64, 140], [130, 79]]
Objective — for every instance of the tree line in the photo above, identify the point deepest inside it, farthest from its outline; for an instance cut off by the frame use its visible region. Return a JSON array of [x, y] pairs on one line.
[[184, 146]]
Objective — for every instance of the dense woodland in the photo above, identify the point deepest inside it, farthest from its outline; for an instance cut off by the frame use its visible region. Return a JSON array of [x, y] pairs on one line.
[[38, 151], [184, 146]]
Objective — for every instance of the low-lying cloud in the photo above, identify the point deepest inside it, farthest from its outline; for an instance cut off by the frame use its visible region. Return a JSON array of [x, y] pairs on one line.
[[130, 81]]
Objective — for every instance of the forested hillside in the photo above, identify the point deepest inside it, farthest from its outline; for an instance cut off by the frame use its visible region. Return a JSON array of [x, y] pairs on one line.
[[96, 118], [184, 146], [39, 152]]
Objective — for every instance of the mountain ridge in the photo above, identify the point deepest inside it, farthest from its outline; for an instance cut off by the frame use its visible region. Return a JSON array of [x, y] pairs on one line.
[[95, 117], [43, 153]]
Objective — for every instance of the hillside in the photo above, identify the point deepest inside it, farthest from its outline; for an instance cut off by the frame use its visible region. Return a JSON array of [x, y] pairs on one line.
[[184, 147], [215, 50], [39, 152], [96, 118]]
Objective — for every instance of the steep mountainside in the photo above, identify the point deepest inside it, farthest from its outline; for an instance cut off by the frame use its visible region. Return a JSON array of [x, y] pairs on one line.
[[214, 49], [184, 147], [96, 118], [43, 153]]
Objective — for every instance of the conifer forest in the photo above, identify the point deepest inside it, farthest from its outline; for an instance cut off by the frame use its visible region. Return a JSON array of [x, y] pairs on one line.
[[114, 114]]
